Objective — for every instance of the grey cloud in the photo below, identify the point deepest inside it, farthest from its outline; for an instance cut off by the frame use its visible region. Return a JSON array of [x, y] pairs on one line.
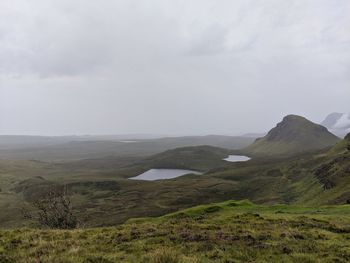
[[210, 42], [177, 67]]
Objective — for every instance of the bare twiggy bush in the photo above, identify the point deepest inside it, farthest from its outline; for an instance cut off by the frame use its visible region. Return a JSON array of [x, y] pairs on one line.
[[54, 210]]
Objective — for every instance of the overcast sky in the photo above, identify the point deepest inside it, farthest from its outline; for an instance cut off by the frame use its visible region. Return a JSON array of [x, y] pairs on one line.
[[170, 67]]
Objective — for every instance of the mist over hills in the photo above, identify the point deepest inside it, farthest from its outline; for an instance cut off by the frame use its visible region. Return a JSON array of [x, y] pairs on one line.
[[30, 141], [337, 123], [293, 135], [86, 147]]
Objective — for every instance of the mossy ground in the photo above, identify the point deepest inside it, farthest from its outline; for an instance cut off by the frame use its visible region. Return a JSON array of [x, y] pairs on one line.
[[222, 232]]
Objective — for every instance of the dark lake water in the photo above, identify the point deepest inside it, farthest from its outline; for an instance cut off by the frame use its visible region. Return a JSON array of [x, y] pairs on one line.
[[237, 158], [161, 174]]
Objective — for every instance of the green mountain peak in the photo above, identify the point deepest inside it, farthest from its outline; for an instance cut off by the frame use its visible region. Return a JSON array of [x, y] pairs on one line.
[[294, 134]]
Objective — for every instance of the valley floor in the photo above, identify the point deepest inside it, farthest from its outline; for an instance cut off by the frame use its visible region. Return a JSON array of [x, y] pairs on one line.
[[222, 232]]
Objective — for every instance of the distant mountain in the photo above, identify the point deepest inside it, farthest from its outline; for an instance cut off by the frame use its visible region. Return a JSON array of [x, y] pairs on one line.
[[254, 135], [30, 141], [337, 123], [294, 134]]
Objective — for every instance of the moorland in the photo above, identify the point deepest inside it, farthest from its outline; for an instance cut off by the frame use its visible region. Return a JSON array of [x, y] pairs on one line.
[[297, 183]]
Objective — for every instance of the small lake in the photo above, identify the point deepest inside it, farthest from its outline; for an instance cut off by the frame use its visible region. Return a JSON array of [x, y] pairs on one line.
[[161, 174], [237, 158]]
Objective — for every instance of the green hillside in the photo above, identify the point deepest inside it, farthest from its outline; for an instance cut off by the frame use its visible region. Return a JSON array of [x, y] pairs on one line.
[[293, 135], [101, 188], [333, 172], [222, 232]]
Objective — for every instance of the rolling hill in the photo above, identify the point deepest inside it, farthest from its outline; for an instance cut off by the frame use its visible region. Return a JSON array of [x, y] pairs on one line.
[[201, 158], [293, 135], [101, 188], [315, 178]]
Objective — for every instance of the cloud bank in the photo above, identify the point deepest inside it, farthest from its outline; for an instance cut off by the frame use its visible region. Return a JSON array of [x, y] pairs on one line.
[[170, 67]]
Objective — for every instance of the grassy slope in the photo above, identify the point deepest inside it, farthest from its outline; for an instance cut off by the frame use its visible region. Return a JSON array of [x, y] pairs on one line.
[[222, 232], [322, 178]]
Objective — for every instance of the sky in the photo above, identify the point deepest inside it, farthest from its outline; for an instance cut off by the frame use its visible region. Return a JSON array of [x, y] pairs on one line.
[[181, 67]]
